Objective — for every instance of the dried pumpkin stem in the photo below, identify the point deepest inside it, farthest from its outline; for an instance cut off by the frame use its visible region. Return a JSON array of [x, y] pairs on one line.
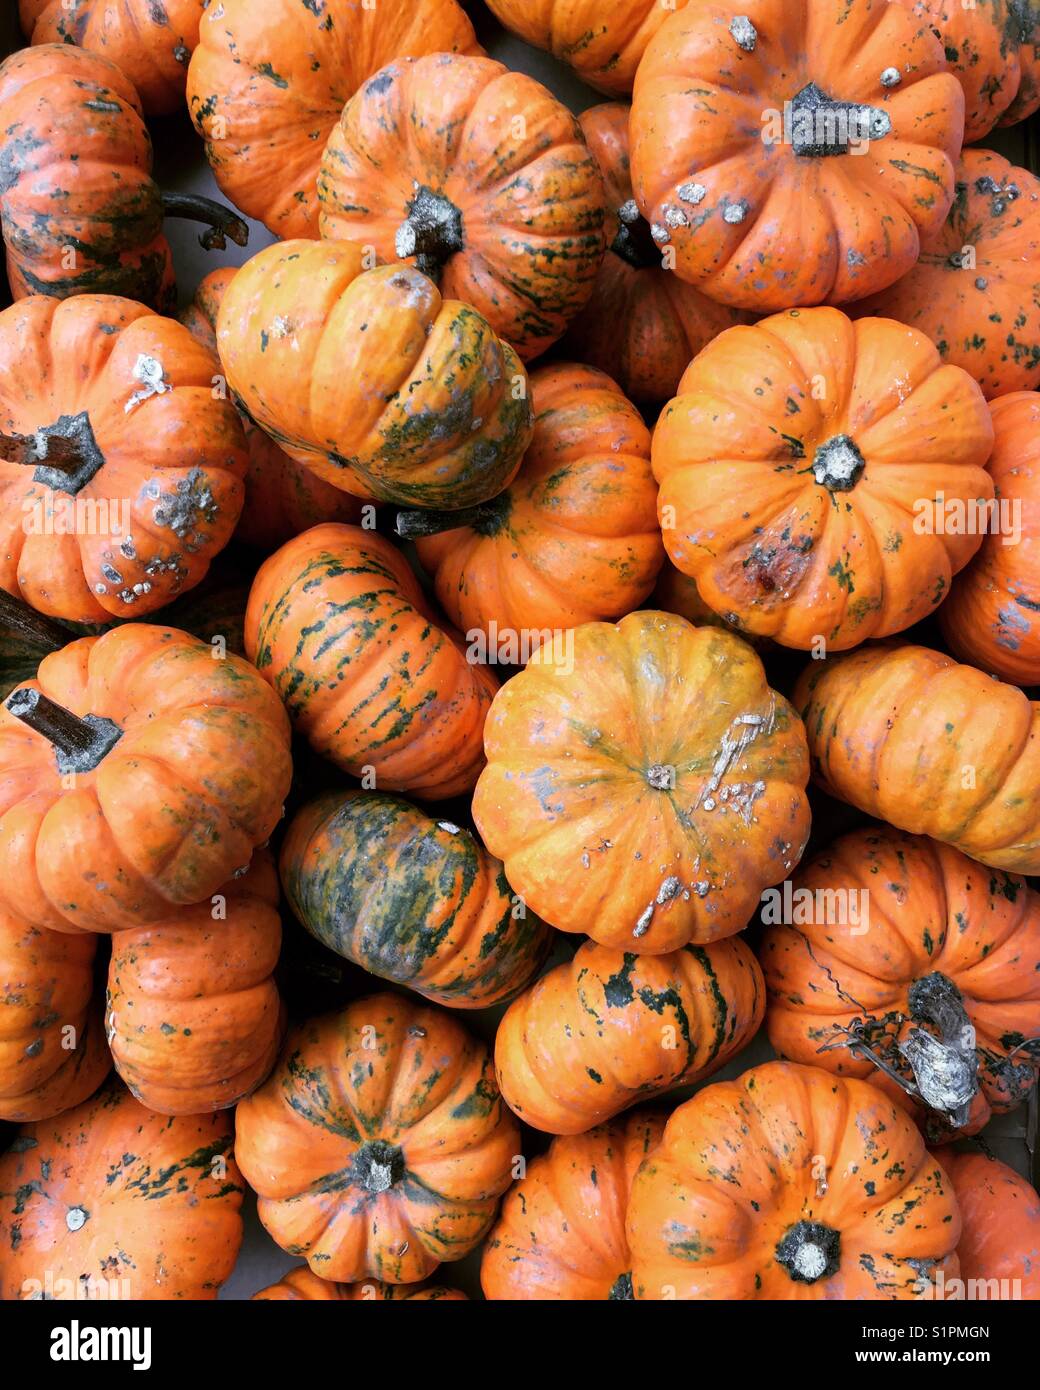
[[64, 456], [221, 221], [79, 744], [486, 517], [19, 620]]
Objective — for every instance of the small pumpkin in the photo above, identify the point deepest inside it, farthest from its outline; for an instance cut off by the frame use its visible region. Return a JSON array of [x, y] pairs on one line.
[[112, 1201], [904, 953], [909, 736], [136, 772], [52, 1045], [338, 626], [302, 1285], [410, 899], [795, 466], [974, 289], [381, 387], [192, 1013], [990, 618], [573, 539], [794, 158], [1000, 1234], [642, 323], [479, 177], [561, 1233], [151, 43], [645, 785], [380, 1146], [609, 1028], [790, 1183], [267, 83], [79, 210]]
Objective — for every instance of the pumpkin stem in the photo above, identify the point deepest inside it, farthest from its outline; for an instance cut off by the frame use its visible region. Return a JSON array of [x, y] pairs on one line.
[[432, 231], [820, 126], [222, 222], [621, 1289], [633, 241], [79, 744], [487, 518], [19, 620], [64, 456], [377, 1166], [810, 1251], [838, 464]]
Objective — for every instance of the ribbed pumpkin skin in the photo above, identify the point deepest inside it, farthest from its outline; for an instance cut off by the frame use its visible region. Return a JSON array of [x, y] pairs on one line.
[[371, 379], [610, 1028], [644, 788], [574, 539], [46, 986], [980, 307], [991, 617], [380, 1146], [899, 731], [530, 241], [746, 1162], [301, 1285], [760, 224], [283, 497], [111, 1191], [268, 81], [798, 516], [410, 899], [561, 1232], [193, 785], [642, 324], [79, 210], [166, 496], [150, 42], [193, 1015], [1000, 1215], [930, 910], [338, 625]]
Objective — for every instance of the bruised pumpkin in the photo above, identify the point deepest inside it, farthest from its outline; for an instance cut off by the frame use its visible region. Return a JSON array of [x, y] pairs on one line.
[[302, 1285]]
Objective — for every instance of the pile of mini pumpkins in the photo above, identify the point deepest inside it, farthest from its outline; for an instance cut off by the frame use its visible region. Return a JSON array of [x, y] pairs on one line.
[[531, 445]]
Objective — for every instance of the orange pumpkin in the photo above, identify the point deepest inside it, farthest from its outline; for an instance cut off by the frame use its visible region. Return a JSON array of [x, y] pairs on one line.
[[136, 772], [1000, 1235], [909, 736], [193, 1015], [901, 944], [479, 177], [796, 464], [644, 785], [120, 472], [52, 1047], [642, 324], [380, 1146], [301, 1285], [991, 617], [561, 1232], [609, 1028], [790, 1183], [794, 158], [268, 81], [574, 539], [371, 379], [110, 1201]]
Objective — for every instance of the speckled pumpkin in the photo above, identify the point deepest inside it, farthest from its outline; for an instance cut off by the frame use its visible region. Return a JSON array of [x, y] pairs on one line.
[[150, 40], [302, 1285], [112, 1201], [911, 737], [371, 379], [790, 1183], [413, 900], [893, 935], [644, 784], [976, 288], [574, 539], [52, 1043], [338, 625], [193, 1015], [992, 617], [139, 772], [1000, 1215], [380, 1146], [798, 466], [480, 178], [268, 81], [642, 323], [799, 158], [610, 1028], [561, 1232]]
